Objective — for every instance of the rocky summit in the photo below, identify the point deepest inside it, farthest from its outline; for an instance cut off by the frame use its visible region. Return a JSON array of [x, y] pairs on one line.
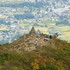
[[32, 32], [32, 41]]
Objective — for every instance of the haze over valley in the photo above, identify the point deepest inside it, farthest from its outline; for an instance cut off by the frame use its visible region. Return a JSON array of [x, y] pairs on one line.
[[18, 17]]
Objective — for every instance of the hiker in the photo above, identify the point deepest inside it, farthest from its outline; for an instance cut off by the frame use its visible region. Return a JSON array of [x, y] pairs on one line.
[[55, 35], [47, 38], [50, 36]]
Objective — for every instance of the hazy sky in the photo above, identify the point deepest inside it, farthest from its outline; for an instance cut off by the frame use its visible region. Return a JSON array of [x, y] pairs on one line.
[[13, 1], [10, 1]]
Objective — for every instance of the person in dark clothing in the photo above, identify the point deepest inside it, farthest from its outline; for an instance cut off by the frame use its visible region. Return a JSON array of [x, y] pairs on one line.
[[46, 38], [50, 36]]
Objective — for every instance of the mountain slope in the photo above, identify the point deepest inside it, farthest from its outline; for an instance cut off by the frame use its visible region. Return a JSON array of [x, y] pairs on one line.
[[27, 54], [33, 40]]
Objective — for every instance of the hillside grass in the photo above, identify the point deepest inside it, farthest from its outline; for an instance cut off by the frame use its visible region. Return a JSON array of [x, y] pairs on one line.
[[54, 56]]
